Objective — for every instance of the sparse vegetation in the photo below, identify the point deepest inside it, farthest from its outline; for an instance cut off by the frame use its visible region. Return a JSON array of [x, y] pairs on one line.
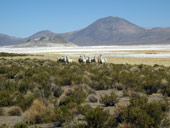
[[4, 54], [109, 100], [46, 91], [144, 114]]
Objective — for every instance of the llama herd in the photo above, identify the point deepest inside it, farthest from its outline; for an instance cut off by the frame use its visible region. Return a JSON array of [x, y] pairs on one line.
[[84, 59]]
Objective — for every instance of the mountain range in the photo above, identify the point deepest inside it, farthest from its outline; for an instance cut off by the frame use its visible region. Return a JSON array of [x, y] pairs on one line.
[[44, 41], [105, 31]]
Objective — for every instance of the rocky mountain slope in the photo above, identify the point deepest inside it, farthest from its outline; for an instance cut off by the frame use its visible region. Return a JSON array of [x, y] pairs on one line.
[[55, 41]]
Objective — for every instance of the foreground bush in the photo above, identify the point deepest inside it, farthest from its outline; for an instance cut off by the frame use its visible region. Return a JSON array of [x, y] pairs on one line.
[[36, 86], [96, 118], [60, 115], [4, 126], [78, 96], [109, 100], [143, 114], [38, 110], [166, 90]]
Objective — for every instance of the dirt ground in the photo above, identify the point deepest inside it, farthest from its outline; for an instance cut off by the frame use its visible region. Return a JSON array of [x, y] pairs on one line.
[[115, 60]]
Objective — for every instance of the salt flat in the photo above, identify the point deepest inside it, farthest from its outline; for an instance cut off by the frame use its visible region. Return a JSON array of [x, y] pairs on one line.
[[83, 48], [137, 51]]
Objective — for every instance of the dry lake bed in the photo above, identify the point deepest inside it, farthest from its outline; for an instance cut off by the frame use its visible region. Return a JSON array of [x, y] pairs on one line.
[[134, 54]]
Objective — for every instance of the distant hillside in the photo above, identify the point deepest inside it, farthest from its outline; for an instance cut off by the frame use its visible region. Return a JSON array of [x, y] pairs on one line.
[[44, 33], [105, 31], [46, 42], [117, 31], [9, 40]]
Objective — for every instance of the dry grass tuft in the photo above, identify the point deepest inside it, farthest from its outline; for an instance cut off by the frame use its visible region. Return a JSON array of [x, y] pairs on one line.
[[127, 125], [37, 111]]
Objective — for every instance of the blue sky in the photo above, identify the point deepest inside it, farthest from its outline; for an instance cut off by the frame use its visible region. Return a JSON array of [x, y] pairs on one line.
[[22, 18]]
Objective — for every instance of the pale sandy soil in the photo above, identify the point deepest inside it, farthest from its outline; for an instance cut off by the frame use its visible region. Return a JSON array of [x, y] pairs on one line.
[[136, 54], [115, 60]]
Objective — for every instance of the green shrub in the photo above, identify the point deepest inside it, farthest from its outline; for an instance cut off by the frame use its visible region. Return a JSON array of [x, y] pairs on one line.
[[4, 54], [57, 91], [77, 96], [166, 90], [25, 103], [143, 114], [26, 84], [138, 100], [96, 118], [60, 115], [9, 97], [83, 109], [93, 99], [66, 80], [109, 100], [99, 85], [21, 125]]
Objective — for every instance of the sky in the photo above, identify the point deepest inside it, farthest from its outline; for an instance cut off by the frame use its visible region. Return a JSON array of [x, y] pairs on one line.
[[23, 18]]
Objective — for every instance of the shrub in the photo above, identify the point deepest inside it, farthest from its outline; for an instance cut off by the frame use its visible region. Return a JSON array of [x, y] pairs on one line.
[[15, 111], [143, 114], [109, 100], [83, 109], [4, 54], [96, 118], [93, 99], [65, 80], [99, 85], [166, 90], [137, 116], [118, 86], [138, 100], [9, 97], [20, 125], [38, 110], [60, 115], [25, 84], [77, 96], [25, 103], [57, 91], [4, 126]]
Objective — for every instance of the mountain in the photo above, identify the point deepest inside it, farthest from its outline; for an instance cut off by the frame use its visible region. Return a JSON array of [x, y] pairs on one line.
[[44, 33], [117, 31], [9, 40], [105, 31], [55, 41]]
